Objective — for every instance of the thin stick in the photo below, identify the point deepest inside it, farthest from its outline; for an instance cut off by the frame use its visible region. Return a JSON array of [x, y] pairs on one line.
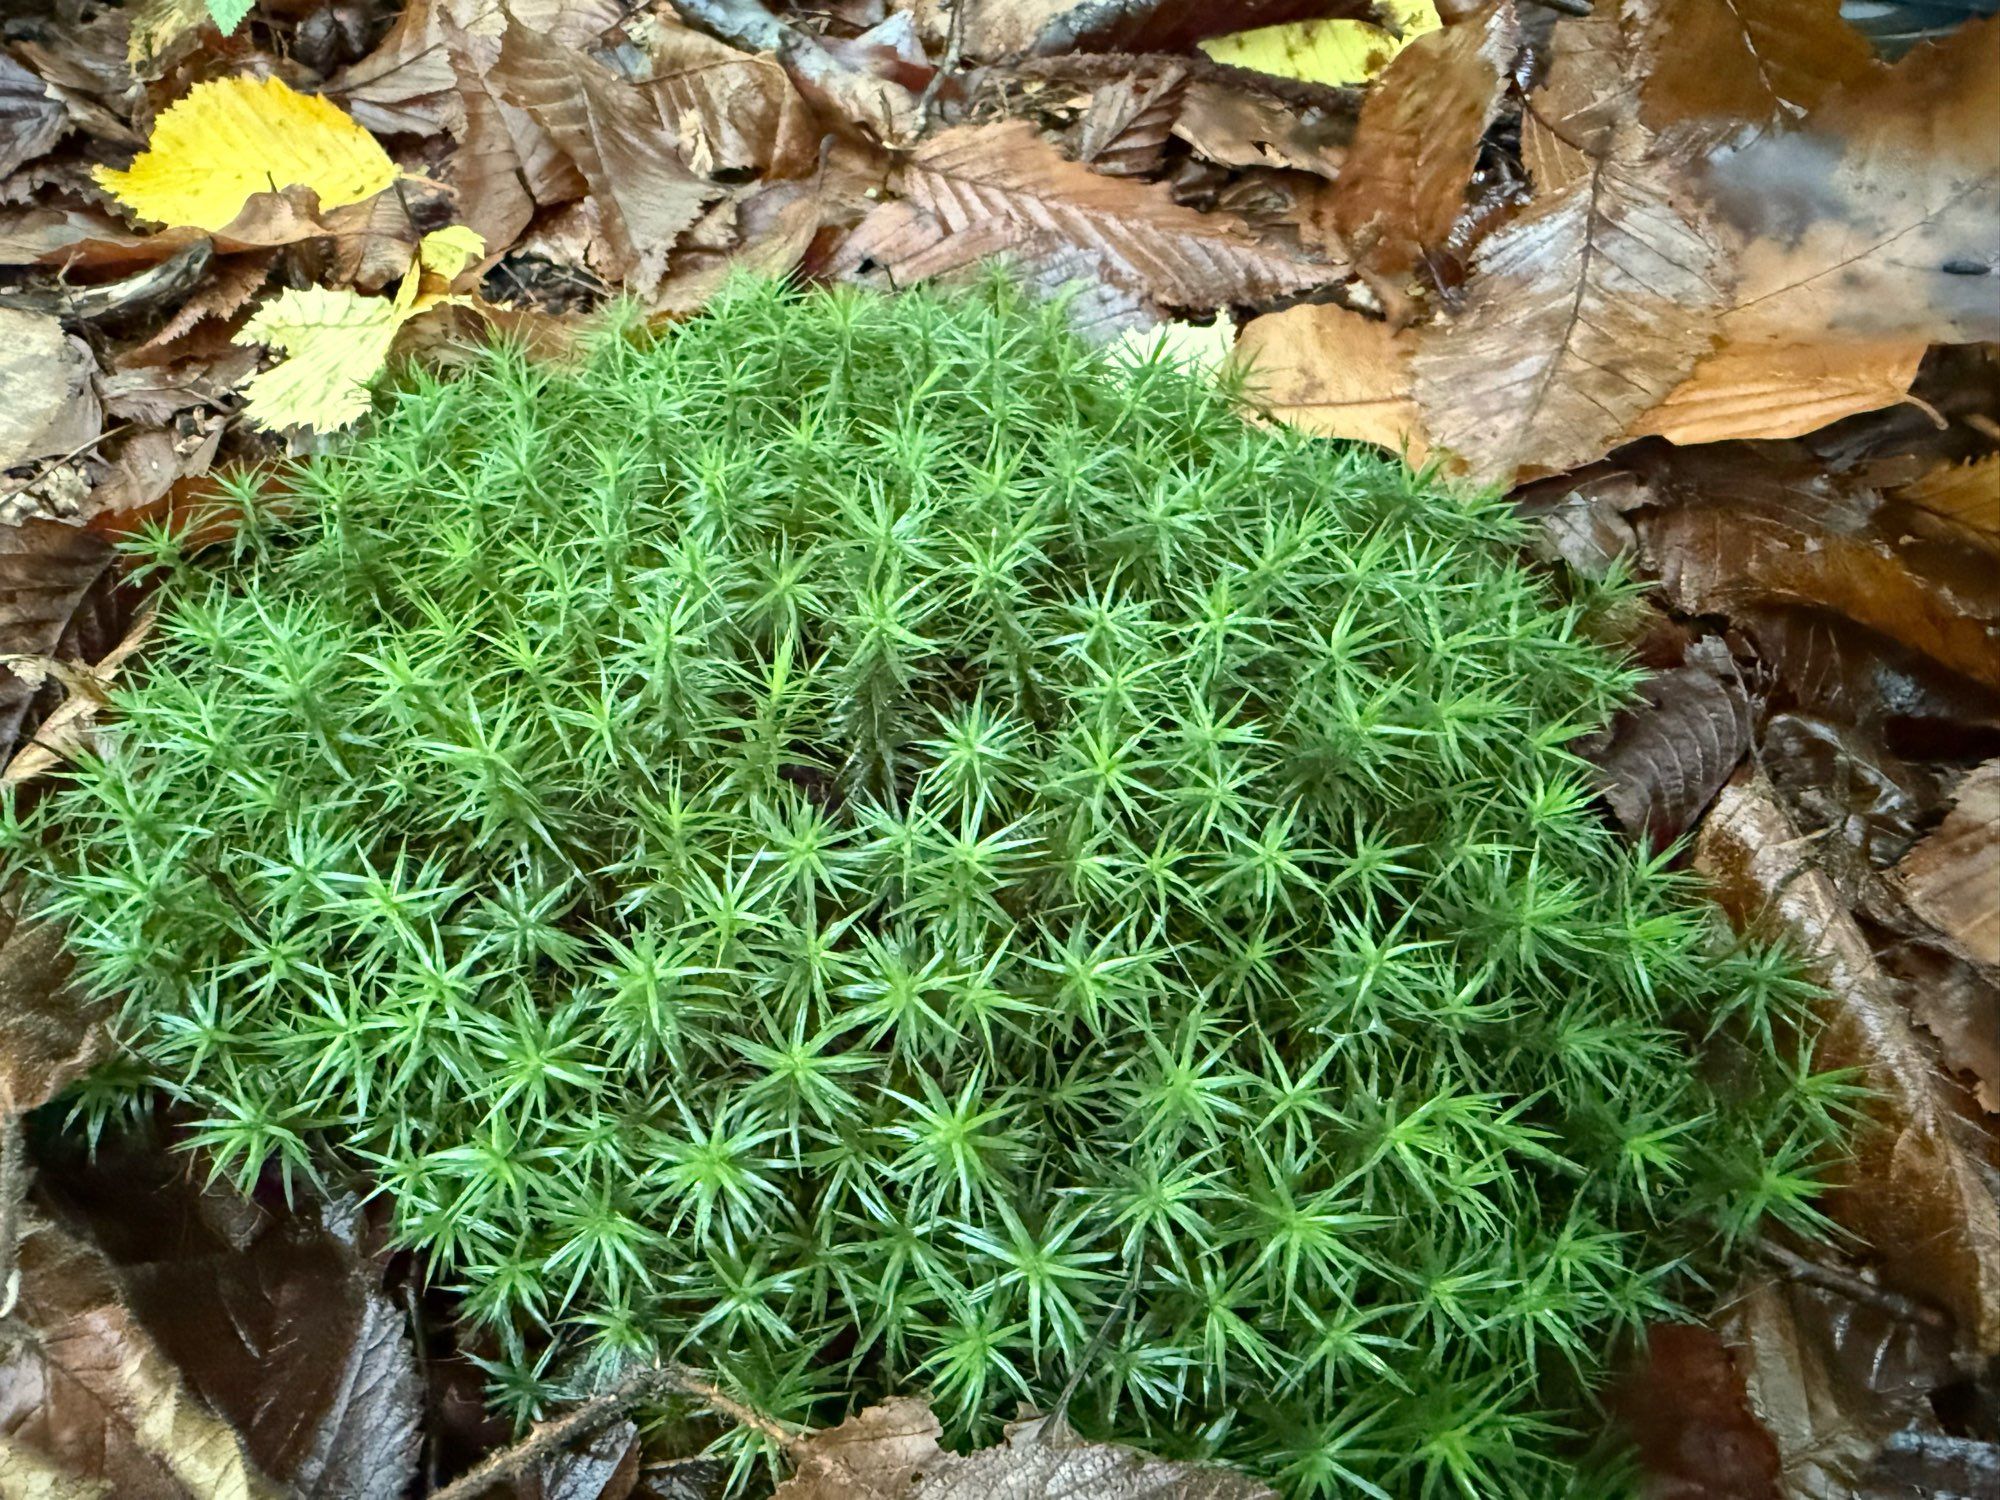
[[607, 1406], [1856, 1288], [13, 1189]]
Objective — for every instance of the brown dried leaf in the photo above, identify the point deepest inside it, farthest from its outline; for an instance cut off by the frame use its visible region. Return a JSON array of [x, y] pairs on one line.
[[1584, 313], [1126, 125], [976, 177], [645, 196], [228, 290], [1404, 183], [1952, 878], [1571, 116], [1956, 1003], [1779, 390], [877, 1453], [1043, 1459], [729, 110], [47, 407], [1689, 1419], [405, 86], [1239, 127], [1735, 531], [774, 225], [1881, 220], [49, 1033], [68, 729], [82, 239], [1913, 1188], [1832, 666], [1767, 62], [1667, 756], [1335, 372], [1967, 492], [371, 243], [497, 191], [32, 117], [46, 570], [89, 1397]]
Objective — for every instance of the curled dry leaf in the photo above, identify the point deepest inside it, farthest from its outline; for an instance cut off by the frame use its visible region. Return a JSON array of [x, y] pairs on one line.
[[1915, 1188], [1958, 1004], [1403, 186], [1335, 372], [646, 197], [1585, 311], [1832, 666], [1782, 390], [1952, 878], [1007, 178], [1238, 127], [1761, 62], [1667, 756], [1126, 125], [1733, 531], [995, 29], [88, 1403]]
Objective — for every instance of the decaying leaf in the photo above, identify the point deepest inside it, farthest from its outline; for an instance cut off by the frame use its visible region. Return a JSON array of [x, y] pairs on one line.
[[232, 137], [88, 1401], [1403, 186], [46, 571], [1667, 756], [1914, 1188], [1005, 182], [729, 110], [1686, 1411], [891, 1452], [1238, 127], [32, 118], [1952, 878], [1761, 62], [1831, 1378], [1958, 1004], [1335, 372], [1584, 313], [1125, 129], [645, 195], [1968, 492], [1881, 219], [47, 406], [1572, 115], [994, 29], [67, 730], [1734, 531], [49, 1034], [1335, 51]]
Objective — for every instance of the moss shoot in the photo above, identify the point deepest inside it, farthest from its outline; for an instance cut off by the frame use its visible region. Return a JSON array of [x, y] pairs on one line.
[[856, 844]]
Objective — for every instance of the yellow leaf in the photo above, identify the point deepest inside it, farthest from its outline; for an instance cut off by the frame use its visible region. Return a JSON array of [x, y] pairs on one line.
[[337, 341], [1330, 52], [446, 252], [236, 136], [1199, 348]]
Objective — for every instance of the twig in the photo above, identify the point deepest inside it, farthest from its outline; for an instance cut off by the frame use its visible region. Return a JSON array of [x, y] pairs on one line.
[[954, 41], [60, 459], [742, 23], [605, 1407], [1856, 1288], [13, 1189]]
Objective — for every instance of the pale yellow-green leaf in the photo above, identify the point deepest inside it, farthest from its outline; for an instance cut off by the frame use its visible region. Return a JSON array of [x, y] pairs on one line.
[[232, 137], [445, 252], [1199, 348], [1329, 52], [335, 342]]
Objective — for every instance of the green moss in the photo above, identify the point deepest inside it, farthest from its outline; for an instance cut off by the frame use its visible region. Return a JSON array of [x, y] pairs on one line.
[[849, 841]]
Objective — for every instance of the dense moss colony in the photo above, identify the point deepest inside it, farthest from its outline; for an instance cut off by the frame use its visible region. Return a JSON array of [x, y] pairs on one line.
[[857, 845]]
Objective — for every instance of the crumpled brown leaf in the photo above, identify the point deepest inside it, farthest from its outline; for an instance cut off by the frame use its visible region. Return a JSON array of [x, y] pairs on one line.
[[88, 1403], [1570, 116], [32, 117], [1665, 757], [1915, 1188], [46, 571], [1583, 313], [891, 1452], [1968, 491], [1125, 128], [1952, 878], [1403, 186], [49, 1034], [1831, 1378], [730, 110], [1735, 530], [47, 407], [645, 195], [1045, 28], [1004, 183]]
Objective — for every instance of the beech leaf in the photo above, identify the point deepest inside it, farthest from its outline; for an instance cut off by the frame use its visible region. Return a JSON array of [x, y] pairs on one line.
[[231, 137], [1006, 182], [1952, 878], [1766, 62], [1329, 370], [1584, 312], [1336, 52], [1667, 756]]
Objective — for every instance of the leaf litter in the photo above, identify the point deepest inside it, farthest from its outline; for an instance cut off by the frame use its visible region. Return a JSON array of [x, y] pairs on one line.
[[1720, 267]]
